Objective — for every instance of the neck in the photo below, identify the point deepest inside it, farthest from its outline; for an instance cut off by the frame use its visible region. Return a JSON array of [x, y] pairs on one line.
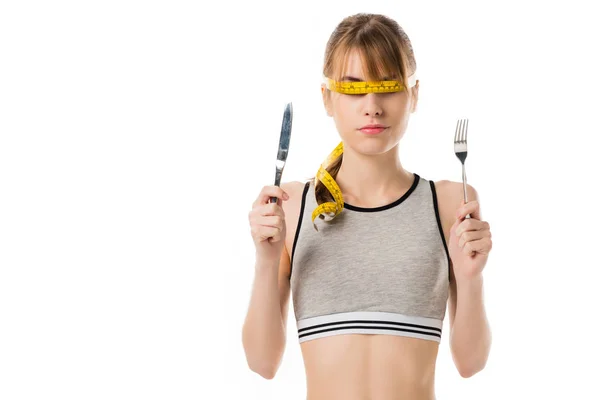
[[372, 180]]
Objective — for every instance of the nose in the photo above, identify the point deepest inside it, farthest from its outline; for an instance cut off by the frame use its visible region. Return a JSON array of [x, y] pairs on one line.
[[371, 105]]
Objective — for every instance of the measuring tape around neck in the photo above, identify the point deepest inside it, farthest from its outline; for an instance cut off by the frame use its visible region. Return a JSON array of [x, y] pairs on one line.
[[329, 209]]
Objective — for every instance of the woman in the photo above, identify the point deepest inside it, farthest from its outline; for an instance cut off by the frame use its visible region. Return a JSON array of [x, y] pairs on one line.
[[390, 249]]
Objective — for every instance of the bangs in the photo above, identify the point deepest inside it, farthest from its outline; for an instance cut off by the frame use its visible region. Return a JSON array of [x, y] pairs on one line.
[[380, 59]]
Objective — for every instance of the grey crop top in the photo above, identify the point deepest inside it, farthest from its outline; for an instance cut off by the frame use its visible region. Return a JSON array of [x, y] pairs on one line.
[[381, 270]]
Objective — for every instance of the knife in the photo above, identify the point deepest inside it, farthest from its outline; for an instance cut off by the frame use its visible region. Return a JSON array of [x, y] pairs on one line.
[[284, 145]]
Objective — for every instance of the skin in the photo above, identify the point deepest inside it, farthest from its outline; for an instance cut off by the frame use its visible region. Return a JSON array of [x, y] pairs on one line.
[[360, 367]]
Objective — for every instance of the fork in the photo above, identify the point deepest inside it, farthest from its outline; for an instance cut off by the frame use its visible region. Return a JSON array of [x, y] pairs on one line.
[[460, 149]]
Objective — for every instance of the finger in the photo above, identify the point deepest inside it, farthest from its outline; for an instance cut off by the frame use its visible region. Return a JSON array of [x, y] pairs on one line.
[[270, 191], [265, 232], [265, 209], [472, 207], [482, 246], [471, 224], [270, 209], [275, 221], [275, 238], [454, 227], [471, 236], [267, 192], [274, 235]]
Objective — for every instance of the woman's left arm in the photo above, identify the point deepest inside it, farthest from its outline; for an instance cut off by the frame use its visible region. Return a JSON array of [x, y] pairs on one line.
[[469, 246]]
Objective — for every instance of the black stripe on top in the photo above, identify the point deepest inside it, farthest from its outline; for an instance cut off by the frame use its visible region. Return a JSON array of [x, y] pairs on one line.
[[437, 332], [439, 223], [299, 225], [412, 188]]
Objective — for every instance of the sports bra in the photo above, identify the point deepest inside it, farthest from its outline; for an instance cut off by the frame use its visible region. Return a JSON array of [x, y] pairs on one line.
[[382, 270]]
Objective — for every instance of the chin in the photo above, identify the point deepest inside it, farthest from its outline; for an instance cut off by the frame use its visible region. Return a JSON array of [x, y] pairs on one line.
[[372, 145]]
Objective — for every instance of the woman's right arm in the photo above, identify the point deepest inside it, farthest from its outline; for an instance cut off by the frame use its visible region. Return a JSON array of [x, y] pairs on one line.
[[264, 330]]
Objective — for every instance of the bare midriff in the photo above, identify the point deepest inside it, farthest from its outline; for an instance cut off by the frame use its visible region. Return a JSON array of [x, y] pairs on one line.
[[369, 367]]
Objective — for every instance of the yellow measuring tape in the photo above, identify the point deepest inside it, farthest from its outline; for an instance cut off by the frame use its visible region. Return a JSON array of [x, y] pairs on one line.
[[329, 209], [362, 87]]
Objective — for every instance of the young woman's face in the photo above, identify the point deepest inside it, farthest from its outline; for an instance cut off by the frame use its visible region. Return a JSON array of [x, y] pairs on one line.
[[351, 112]]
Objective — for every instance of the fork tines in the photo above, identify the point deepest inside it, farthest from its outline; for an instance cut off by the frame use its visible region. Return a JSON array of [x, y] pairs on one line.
[[460, 136]]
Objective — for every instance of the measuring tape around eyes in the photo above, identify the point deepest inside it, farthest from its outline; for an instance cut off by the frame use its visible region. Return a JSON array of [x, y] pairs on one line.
[[362, 87], [329, 209]]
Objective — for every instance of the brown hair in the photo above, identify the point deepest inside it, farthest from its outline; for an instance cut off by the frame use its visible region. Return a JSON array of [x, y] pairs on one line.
[[385, 50]]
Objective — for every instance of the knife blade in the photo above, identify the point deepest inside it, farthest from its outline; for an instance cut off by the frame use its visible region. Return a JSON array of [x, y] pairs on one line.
[[284, 145]]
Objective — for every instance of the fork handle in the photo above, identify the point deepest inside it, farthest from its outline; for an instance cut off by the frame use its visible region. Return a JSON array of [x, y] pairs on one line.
[[464, 179]]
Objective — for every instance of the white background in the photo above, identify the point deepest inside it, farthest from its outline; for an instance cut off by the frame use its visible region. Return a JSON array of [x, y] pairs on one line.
[[134, 137]]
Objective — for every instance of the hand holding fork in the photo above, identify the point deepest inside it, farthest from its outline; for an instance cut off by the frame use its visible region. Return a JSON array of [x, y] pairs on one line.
[[460, 149]]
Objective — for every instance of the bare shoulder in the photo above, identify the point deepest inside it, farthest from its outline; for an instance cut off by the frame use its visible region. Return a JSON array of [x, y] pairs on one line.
[[449, 196], [291, 208], [294, 189]]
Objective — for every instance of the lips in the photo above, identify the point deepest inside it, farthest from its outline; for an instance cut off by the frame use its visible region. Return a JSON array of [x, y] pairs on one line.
[[373, 129], [373, 126]]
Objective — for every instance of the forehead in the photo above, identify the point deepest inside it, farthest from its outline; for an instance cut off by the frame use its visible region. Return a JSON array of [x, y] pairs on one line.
[[354, 64], [349, 64]]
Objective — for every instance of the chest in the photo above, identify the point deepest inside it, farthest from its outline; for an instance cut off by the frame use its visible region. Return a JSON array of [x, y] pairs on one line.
[[351, 261]]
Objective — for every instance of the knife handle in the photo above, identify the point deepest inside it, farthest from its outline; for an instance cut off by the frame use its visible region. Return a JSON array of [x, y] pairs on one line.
[[278, 174]]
